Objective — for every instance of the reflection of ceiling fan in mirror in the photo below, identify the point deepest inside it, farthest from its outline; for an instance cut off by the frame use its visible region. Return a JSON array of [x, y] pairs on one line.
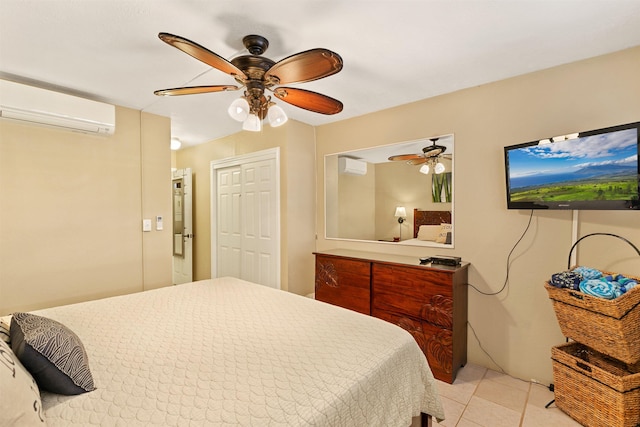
[[257, 73], [429, 159]]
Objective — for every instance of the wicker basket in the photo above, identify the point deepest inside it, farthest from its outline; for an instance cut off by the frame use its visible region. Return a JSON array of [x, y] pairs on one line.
[[611, 327], [595, 390]]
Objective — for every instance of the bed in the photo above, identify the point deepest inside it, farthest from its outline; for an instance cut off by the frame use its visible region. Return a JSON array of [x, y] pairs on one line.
[[230, 352], [434, 227]]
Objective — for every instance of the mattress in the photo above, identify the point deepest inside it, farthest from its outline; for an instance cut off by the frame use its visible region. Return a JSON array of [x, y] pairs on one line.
[[229, 352]]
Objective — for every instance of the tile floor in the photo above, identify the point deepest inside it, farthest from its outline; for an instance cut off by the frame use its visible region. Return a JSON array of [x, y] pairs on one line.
[[482, 397]]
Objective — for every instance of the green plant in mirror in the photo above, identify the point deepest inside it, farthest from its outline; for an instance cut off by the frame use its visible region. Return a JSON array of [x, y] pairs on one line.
[[441, 188]]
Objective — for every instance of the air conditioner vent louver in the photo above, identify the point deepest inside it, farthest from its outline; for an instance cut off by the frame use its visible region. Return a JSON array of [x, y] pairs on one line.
[[31, 105]]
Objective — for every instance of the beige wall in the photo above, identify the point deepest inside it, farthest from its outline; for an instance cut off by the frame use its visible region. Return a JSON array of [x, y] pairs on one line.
[[518, 326], [297, 193], [71, 210], [157, 245]]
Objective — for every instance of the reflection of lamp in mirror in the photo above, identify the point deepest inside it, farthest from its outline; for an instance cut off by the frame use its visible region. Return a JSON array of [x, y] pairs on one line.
[[401, 213]]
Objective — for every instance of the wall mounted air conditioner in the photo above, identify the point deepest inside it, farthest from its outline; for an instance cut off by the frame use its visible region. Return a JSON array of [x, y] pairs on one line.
[[349, 166], [31, 105]]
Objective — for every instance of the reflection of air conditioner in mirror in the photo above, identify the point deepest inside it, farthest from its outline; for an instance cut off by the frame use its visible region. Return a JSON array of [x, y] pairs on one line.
[[349, 166], [31, 105]]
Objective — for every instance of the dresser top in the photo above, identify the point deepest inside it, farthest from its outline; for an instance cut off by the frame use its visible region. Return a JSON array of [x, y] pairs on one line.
[[389, 258]]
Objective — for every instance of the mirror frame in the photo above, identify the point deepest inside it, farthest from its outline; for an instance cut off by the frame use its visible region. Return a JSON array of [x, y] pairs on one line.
[[394, 148]]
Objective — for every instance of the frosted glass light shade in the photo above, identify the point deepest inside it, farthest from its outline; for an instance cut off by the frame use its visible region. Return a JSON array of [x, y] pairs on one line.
[[276, 116], [439, 168], [175, 144], [424, 169], [252, 123], [401, 212], [239, 109]]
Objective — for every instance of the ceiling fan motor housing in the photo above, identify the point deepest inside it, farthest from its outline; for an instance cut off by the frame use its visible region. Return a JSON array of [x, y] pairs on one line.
[[433, 150], [255, 44]]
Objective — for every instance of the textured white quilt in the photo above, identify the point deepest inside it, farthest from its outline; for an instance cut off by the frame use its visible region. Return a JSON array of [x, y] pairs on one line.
[[230, 352]]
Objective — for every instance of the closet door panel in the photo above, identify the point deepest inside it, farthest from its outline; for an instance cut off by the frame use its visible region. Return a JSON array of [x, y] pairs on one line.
[[228, 222]]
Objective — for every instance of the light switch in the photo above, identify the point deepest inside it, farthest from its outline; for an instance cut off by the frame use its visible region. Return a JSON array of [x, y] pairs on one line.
[[159, 223], [146, 225]]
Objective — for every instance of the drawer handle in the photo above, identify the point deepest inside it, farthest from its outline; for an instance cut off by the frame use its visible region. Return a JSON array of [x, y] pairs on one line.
[[583, 366]]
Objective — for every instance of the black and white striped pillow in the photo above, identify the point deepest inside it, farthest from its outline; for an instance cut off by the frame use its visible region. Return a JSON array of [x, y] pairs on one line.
[[20, 404], [52, 353], [5, 324]]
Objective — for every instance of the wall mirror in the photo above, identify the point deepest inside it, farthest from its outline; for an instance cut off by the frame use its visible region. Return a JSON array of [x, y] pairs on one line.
[[408, 201], [178, 223]]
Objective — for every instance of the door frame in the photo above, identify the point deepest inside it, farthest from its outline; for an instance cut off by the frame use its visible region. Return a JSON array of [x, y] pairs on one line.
[[268, 154]]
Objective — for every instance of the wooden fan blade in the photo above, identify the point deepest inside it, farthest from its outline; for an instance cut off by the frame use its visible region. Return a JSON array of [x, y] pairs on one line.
[[305, 66], [417, 161], [202, 54], [406, 157], [194, 89], [309, 100]]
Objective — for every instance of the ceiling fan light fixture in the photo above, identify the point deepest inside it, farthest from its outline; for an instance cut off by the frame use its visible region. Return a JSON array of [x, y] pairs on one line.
[[439, 168], [424, 169], [239, 110], [175, 144], [277, 116], [252, 123]]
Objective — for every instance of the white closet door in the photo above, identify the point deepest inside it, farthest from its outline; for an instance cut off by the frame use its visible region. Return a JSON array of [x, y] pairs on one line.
[[259, 239], [229, 239], [246, 227]]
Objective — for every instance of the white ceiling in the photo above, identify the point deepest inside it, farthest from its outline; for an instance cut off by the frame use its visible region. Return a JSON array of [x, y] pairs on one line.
[[394, 51]]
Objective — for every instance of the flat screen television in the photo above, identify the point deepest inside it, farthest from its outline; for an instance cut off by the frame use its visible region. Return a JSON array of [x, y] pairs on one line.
[[592, 170]]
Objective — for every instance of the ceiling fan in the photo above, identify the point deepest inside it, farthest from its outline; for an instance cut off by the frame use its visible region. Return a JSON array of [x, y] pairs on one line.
[[257, 73], [429, 157]]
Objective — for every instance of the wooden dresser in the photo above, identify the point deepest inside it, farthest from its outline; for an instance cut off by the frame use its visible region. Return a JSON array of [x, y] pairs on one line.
[[428, 301]]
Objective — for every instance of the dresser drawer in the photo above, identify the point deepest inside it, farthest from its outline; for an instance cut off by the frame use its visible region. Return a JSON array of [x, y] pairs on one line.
[[435, 342], [423, 294], [344, 282]]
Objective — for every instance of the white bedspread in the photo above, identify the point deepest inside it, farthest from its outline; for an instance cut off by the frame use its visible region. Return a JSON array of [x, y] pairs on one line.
[[229, 352]]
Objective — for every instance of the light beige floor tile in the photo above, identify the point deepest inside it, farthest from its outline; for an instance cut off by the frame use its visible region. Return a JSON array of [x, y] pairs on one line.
[[452, 412], [464, 385], [489, 414], [482, 397], [505, 379], [504, 395], [460, 392], [535, 416], [540, 395], [471, 373], [467, 423]]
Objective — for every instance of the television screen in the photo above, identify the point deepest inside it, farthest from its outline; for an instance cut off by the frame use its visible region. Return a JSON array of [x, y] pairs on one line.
[[598, 169]]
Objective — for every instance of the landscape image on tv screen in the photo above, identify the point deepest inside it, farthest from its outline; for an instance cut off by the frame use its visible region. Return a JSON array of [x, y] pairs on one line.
[[589, 168]]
